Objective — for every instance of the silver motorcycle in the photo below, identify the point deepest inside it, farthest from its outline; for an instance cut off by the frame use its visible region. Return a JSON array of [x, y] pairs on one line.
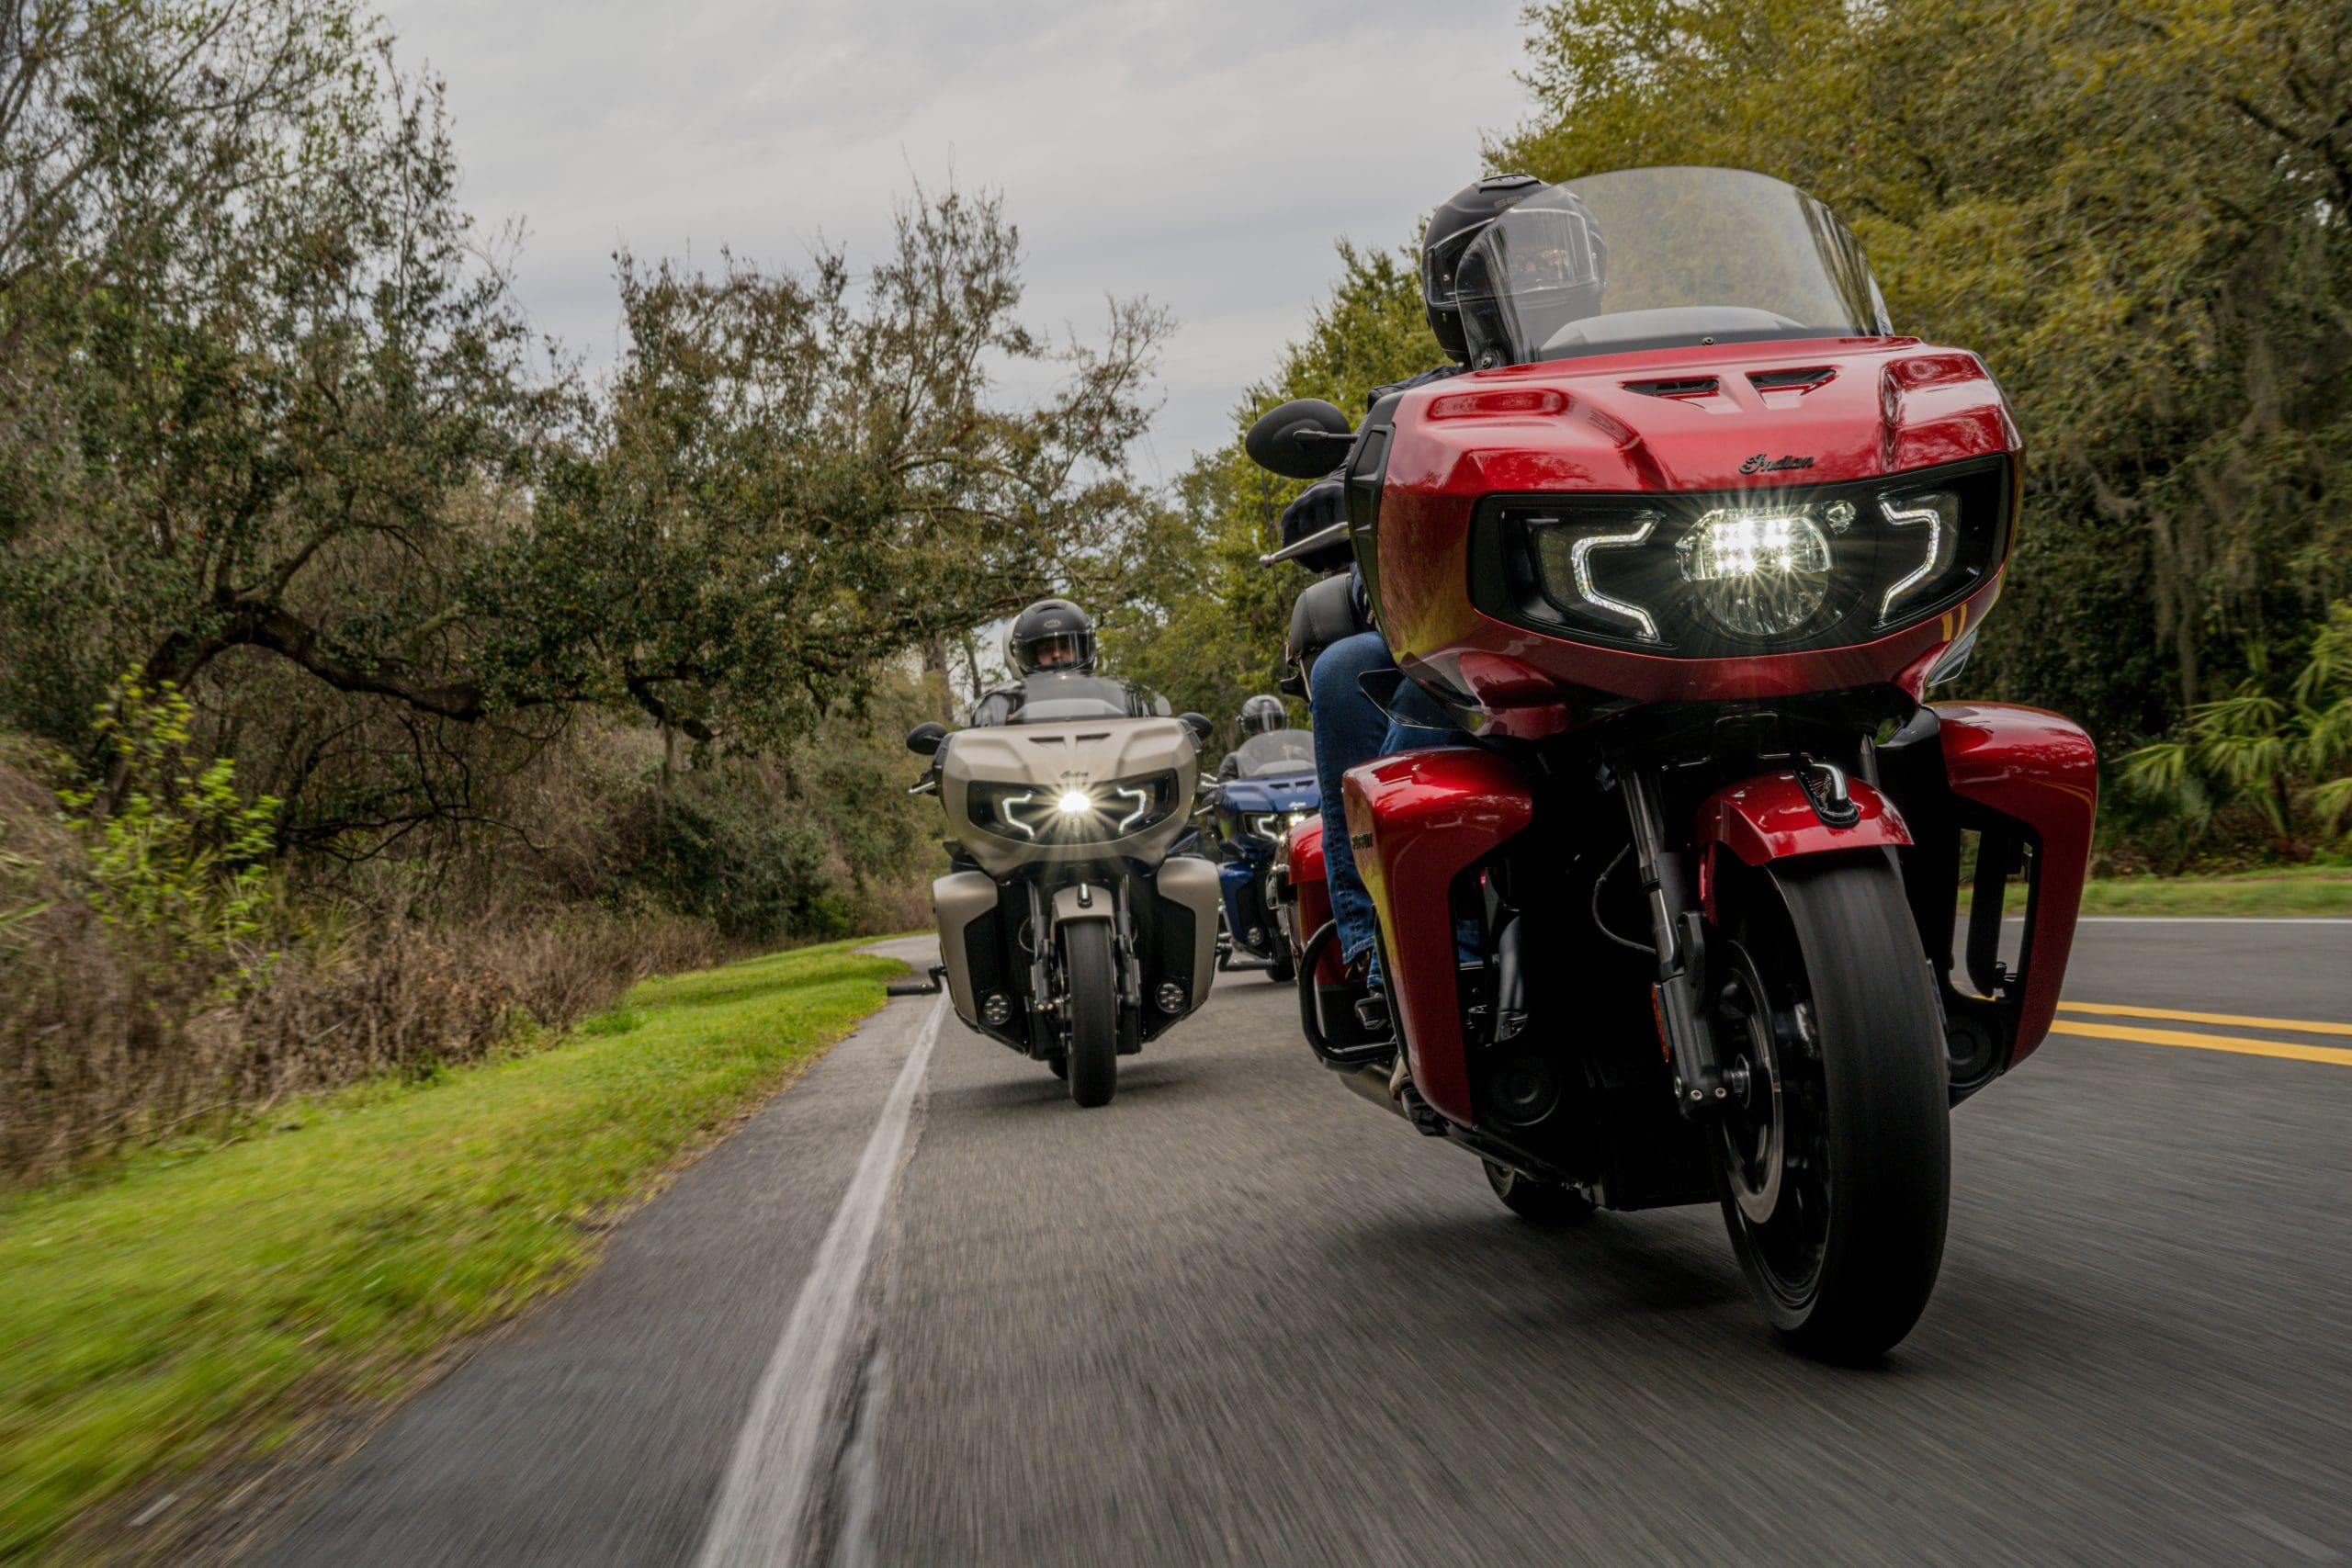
[[1068, 930]]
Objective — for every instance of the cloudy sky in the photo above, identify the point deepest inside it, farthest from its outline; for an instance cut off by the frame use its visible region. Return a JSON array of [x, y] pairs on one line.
[[1206, 153]]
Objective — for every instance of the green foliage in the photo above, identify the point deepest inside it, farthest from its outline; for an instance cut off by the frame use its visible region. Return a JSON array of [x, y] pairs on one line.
[[178, 857], [2283, 748], [739, 860], [274, 431]]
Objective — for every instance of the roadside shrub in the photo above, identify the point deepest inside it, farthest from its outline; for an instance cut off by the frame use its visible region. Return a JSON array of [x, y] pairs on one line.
[[740, 857]]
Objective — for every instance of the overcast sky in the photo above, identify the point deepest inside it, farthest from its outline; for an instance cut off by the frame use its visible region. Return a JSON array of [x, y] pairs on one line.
[[1204, 154]]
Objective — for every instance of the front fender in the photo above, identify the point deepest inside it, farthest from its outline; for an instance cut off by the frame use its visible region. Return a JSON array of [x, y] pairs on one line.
[[1085, 902], [1769, 818]]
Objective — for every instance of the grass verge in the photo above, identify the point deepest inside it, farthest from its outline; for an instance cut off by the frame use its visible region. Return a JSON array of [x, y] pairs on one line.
[[188, 1306], [2302, 890]]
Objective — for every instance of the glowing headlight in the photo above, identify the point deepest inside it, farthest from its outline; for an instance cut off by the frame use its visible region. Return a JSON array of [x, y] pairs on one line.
[[1073, 813], [1758, 574], [1719, 574]]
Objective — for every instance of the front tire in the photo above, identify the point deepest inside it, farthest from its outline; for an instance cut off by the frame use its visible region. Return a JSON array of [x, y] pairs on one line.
[[1093, 987], [1835, 1154]]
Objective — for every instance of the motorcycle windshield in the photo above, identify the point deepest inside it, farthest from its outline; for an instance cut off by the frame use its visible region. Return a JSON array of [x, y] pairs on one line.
[[1660, 258], [1276, 752], [1058, 697]]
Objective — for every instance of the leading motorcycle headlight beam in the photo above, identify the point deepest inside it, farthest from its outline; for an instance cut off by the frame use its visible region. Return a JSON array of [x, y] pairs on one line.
[[1758, 574]]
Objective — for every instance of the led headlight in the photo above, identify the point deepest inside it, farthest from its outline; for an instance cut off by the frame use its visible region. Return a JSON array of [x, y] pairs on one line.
[[1757, 574], [1712, 575], [1930, 522], [1564, 557], [1072, 813]]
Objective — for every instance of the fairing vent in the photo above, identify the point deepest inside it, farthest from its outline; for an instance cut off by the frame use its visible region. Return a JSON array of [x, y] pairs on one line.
[[1684, 387], [1790, 380]]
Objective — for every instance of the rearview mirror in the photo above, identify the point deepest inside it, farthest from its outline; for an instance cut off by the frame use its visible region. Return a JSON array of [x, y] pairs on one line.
[[1304, 439], [924, 738], [1198, 723]]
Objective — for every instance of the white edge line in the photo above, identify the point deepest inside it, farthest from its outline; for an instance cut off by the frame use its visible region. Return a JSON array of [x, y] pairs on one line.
[[756, 1519], [2202, 919]]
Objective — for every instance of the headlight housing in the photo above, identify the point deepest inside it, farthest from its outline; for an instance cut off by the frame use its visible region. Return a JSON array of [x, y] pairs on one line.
[[1271, 825], [1072, 813], [1716, 575]]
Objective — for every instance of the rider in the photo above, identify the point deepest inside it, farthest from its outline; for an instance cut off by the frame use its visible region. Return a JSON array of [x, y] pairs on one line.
[[1351, 727], [1261, 714], [1052, 636]]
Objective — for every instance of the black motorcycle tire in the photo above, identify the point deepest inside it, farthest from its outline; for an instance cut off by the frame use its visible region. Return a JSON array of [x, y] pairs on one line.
[[1093, 991], [1844, 1263], [1280, 969], [1539, 1202]]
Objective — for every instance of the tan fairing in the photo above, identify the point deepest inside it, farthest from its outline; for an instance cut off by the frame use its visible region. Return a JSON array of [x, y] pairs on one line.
[[956, 900], [1061, 756], [1191, 882]]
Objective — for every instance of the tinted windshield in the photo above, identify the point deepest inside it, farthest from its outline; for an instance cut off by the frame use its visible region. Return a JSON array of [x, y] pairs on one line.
[[1049, 697], [1655, 258], [1277, 751]]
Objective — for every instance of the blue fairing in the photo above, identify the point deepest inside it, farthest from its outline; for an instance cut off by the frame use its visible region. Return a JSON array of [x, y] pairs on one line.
[[1247, 853], [1280, 792]]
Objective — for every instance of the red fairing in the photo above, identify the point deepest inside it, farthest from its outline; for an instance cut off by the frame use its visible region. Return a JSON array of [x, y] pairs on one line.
[[1881, 406], [1313, 893], [2042, 770], [1768, 817], [1417, 820]]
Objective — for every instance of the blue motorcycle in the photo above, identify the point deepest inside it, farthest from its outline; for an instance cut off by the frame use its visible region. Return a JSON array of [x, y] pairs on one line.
[[1266, 789]]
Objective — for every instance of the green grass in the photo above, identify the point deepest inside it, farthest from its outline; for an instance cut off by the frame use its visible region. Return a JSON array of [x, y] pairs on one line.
[[2302, 890], [190, 1304]]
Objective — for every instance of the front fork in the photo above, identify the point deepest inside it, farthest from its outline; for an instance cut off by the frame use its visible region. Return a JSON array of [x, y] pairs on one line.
[[1678, 931]]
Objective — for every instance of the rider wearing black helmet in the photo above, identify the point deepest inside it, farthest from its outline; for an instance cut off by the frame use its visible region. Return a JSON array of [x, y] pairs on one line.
[[1052, 636], [1261, 714]]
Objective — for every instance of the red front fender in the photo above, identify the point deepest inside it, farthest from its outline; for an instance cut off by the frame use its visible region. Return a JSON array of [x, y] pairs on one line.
[[1767, 819]]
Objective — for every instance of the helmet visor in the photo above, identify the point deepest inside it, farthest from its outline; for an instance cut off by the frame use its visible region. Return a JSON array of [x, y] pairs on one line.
[[1062, 650]]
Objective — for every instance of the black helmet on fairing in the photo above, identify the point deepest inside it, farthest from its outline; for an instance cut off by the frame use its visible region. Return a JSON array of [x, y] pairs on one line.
[[1452, 229], [1262, 715], [1052, 634]]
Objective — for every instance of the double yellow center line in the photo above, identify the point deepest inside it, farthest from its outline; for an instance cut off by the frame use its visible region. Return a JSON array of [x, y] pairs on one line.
[[2289, 1050]]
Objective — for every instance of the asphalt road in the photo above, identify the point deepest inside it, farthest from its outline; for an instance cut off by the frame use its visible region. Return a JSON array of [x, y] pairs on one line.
[[1241, 1316]]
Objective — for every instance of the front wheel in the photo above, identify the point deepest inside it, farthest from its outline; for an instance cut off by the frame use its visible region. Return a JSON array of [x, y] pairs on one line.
[[1835, 1156], [1091, 983]]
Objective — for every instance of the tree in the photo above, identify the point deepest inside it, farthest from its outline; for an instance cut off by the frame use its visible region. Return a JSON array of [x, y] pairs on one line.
[[274, 433]]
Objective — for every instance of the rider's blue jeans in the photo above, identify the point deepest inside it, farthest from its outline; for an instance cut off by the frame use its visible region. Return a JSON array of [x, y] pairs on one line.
[[1350, 729]]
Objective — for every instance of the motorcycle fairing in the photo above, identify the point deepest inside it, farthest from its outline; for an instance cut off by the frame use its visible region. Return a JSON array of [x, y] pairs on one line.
[[2020, 779], [1283, 793], [972, 944], [1416, 821], [1307, 896], [1872, 408]]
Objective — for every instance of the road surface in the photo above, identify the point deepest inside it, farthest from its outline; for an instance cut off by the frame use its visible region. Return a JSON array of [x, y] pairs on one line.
[[930, 1313]]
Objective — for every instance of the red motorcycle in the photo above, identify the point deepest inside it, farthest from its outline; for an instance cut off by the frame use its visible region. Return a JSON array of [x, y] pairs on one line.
[[1684, 553]]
